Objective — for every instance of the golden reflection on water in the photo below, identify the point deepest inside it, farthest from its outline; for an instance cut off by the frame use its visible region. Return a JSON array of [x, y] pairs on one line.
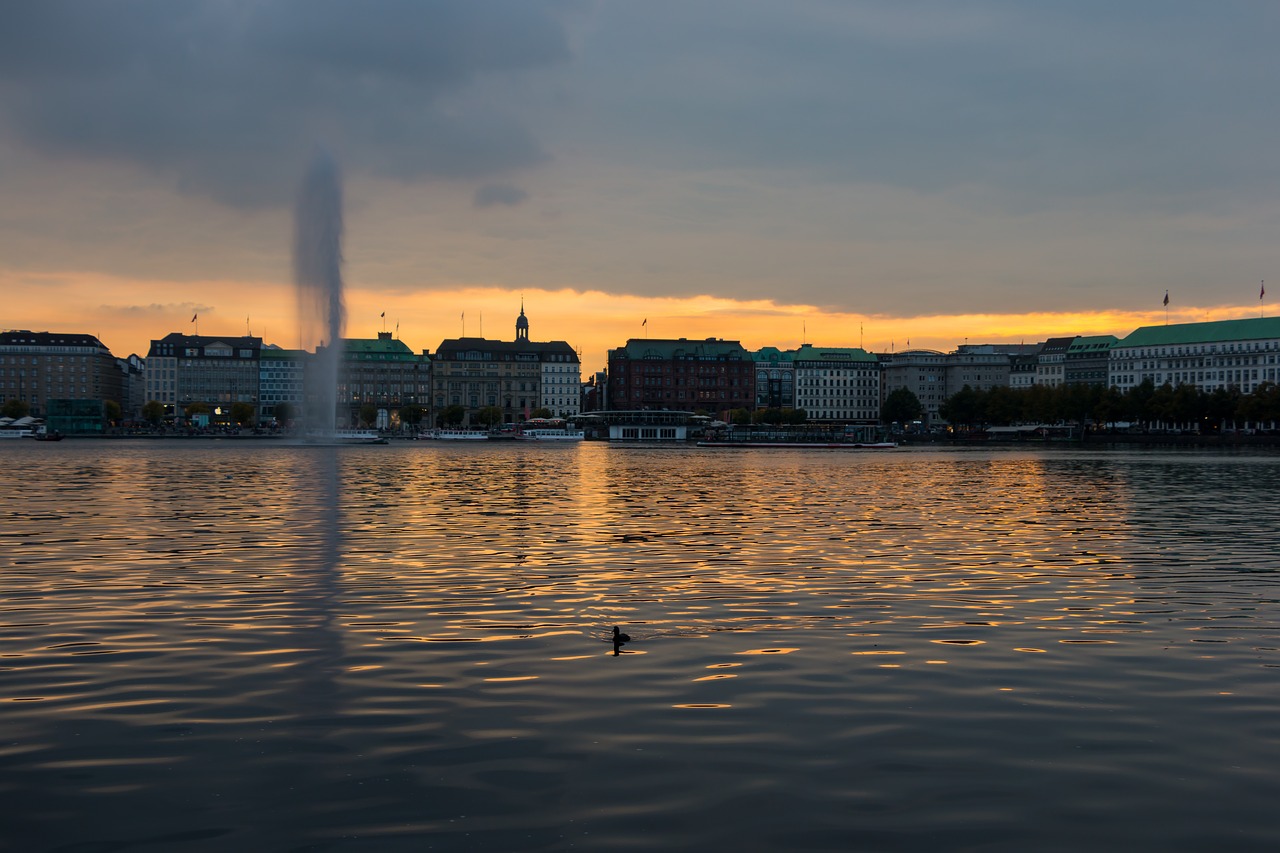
[[384, 562]]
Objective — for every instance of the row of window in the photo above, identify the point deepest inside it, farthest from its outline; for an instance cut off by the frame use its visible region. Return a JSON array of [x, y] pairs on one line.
[[1201, 377], [654, 433]]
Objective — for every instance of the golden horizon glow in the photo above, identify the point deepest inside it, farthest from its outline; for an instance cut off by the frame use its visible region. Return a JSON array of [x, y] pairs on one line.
[[592, 321]]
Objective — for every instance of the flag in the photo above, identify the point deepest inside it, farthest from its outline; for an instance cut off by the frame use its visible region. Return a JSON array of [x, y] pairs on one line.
[[1166, 299], [384, 315], [646, 322], [193, 317], [1263, 291]]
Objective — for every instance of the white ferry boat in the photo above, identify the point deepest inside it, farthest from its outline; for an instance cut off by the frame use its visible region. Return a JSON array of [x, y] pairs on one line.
[[455, 435], [345, 437], [812, 445], [792, 438], [548, 429]]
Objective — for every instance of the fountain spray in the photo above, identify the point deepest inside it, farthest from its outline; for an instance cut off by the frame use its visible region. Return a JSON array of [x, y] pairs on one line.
[[317, 270]]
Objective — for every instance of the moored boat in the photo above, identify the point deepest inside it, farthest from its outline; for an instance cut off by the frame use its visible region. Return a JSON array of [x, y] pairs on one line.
[[548, 429], [816, 445], [345, 437], [455, 435], [813, 437]]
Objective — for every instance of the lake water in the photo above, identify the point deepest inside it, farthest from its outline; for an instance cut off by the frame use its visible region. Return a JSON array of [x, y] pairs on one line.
[[245, 646]]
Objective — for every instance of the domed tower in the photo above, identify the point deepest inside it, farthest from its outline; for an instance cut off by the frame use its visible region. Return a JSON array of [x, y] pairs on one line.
[[522, 325]]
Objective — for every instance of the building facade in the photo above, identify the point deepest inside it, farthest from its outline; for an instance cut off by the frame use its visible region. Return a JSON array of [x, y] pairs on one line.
[[837, 384], [980, 367], [775, 378], [922, 372], [384, 373], [134, 371], [515, 376], [1087, 360], [1220, 354], [189, 372], [1051, 361], [37, 368], [1022, 370], [282, 380], [713, 375]]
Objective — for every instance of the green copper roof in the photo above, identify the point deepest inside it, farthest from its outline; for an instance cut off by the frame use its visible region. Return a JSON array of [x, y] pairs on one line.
[[1092, 343], [808, 352], [1252, 329], [377, 349], [772, 355], [712, 348]]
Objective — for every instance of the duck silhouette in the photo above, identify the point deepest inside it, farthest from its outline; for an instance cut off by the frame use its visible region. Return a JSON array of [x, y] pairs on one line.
[[618, 639]]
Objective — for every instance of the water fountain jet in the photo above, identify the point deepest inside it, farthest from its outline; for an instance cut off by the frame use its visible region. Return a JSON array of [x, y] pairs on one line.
[[317, 271]]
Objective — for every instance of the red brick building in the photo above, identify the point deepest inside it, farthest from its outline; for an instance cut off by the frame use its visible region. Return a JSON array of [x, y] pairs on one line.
[[714, 376]]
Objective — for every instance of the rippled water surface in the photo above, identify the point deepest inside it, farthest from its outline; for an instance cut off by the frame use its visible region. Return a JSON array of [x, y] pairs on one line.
[[216, 646]]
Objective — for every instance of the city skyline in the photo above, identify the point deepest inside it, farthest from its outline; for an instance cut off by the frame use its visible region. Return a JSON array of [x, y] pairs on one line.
[[850, 175], [758, 319]]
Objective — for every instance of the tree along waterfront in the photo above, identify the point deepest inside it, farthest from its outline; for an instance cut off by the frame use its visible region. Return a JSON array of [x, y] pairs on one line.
[[1182, 408]]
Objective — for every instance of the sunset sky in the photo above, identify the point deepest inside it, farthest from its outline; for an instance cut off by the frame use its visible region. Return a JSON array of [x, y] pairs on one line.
[[845, 173]]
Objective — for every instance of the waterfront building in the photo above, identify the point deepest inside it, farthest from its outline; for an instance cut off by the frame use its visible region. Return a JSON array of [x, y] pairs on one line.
[[981, 367], [1211, 355], [775, 378], [712, 375], [382, 372], [134, 372], [212, 372], [1087, 359], [1051, 361], [282, 379], [560, 388], [837, 384], [37, 368], [594, 391], [560, 391], [922, 372], [645, 425], [515, 376], [1022, 369]]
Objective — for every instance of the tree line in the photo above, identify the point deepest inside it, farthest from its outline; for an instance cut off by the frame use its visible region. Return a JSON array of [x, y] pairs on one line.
[[1146, 405]]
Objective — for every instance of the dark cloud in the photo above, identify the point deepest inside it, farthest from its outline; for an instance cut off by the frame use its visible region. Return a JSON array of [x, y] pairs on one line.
[[490, 195], [1077, 99], [155, 309], [228, 98]]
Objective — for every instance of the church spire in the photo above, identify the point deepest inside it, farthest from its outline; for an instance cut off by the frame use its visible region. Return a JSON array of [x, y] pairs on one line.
[[522, 324]]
